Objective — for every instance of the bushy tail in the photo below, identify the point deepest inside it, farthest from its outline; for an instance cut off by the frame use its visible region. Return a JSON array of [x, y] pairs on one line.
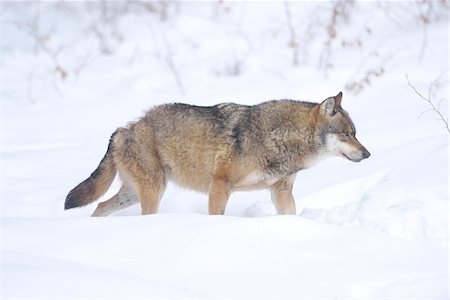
[[97, 184]]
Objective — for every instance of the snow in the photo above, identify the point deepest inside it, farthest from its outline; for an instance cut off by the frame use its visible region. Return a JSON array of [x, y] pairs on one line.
[[193, 255], [377, 229]]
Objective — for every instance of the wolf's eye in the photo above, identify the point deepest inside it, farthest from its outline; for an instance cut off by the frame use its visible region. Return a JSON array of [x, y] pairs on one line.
[[347, 134]]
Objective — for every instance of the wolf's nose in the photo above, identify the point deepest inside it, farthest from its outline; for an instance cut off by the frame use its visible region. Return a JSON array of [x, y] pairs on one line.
[[366, 154]]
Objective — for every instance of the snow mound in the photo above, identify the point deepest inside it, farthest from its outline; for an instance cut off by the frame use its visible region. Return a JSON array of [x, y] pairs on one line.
[[407, 200]]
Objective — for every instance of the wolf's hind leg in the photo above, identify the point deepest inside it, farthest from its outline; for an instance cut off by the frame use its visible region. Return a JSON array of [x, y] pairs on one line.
[[123, 199], [282, 196], [150, 193], [150, 183]]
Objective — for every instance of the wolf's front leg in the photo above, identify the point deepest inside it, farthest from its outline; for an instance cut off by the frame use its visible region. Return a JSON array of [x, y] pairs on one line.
[[282, 198], [219, 192]]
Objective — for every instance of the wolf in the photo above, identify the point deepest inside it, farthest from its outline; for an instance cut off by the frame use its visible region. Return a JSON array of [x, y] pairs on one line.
[[218, 150]]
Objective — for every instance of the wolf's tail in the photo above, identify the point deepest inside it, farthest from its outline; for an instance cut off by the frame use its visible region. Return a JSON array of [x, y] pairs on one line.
[[97, 184]]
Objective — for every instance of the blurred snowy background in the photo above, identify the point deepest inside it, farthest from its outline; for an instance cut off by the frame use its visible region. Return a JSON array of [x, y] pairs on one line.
[[72, 72]]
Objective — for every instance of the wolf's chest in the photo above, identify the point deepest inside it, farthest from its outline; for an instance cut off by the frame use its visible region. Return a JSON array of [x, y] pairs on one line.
[[256, 179]]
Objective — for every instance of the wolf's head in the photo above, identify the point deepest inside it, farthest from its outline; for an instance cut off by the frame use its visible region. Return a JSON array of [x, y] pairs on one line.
[[335, 132]]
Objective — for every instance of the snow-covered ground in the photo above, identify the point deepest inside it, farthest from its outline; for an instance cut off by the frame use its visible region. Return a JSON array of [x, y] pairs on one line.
[[373, 230]]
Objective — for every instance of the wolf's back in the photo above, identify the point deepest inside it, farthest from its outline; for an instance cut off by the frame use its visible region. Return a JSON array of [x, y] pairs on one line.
[[97, 184]]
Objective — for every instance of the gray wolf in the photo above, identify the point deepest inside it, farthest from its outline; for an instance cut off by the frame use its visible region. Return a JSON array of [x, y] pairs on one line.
[[218, 150]]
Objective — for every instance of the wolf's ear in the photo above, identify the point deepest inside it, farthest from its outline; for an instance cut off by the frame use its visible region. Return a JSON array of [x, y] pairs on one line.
[[327, 106], [338, 99]]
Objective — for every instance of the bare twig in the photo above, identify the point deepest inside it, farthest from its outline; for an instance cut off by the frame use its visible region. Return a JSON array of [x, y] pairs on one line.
[[340, 12], [293, 35], [386, 7], [424, 18], [238, 58], [29, 92], [83, 63], [41, 43], [169, 59], [430, 102], [358, 85], [424, 112]]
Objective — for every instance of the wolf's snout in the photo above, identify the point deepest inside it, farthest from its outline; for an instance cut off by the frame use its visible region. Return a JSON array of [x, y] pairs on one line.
[[366, 154]]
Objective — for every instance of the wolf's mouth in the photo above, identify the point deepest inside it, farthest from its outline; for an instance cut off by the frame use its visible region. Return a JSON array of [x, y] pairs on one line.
[[349, 158]]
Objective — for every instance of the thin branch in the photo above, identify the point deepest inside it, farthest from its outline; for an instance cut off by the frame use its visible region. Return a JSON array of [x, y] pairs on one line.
[[424, 112], [171, 64], [424, 18], [428, 100], [293, 36], [40, 42], [439, 104]]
